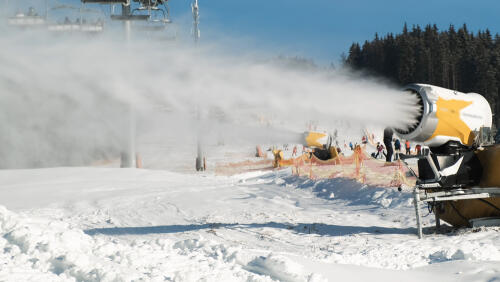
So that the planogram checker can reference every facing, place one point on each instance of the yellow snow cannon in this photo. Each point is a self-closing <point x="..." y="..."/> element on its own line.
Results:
<point x="460" y="175"/>
<point x="314" y="139"/>
<point x="446" y="116"/>
<point x="321" y="143"/>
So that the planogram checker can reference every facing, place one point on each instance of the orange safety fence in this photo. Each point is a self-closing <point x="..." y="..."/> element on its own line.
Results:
<point x="243" y="166"/>
<point x="358" y="166"/>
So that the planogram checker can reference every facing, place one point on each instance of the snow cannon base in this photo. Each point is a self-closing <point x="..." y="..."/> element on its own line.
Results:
<point x="460" y="204"/>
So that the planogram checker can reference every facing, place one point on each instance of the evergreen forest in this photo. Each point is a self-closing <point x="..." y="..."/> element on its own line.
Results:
<point x="454" y="59"/>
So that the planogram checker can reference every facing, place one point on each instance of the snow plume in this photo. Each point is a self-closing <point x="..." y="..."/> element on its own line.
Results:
<point x="69" y="100"/>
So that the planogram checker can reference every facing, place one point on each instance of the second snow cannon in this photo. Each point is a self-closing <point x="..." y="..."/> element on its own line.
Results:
<point x="315" y="139"/>
<point x="321" y="144"/>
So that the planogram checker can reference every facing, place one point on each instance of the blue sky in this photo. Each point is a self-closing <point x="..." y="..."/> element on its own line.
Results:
<point x="323" y="29"/>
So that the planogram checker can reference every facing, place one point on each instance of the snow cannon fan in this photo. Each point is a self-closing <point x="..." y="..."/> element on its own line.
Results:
<point x="449" y="124"/>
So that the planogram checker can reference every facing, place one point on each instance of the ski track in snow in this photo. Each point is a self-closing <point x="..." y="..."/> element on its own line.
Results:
<point x="106" y="224"/>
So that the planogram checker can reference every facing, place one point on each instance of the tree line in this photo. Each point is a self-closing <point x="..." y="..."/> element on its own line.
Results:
<point x="454" y="59"/>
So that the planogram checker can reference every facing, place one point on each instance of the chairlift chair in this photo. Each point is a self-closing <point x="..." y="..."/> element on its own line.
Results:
<point x="151" y="15"/>
<point x="80" y="24"/>
<point x="109" y="2"/>
<point x="30" y="19"/>
<point x="147" y="11"/>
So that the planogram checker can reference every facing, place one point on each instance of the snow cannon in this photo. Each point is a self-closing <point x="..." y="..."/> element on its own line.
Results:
<point x="459" y="176"/>
<point x="321" y="144"/>
<point x="446" y="116"/>
<point x="314" y="139"/>
<point x="450" y="124"/>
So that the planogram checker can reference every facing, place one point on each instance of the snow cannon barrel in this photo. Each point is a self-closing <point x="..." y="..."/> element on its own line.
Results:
<point x="446" y="115"/>
<point x="315" y="139"/>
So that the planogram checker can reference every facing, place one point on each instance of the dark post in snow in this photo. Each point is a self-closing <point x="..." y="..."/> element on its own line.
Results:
<point x="129" y="156"/>
<point x="200" y="158"/>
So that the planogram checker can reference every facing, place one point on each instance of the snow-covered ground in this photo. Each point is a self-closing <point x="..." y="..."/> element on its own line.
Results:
<point x="109" y="224"/>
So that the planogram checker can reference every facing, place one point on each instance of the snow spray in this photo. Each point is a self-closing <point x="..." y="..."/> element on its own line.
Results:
<point x="64" y="101"/>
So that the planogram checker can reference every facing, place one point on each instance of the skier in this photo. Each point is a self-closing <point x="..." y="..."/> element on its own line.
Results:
<point x="408" y="147"/>
<point x="388" y="144"/>
<point x="418" y="149"/>
<point x="397" y="148"/>
<point x="380" y="149"/>
<point x="294" y="152"/>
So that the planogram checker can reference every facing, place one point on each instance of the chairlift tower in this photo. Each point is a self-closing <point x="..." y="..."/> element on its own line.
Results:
<point x="200" y="158"/>
<point x="128" y="15"/>
<point x="196" y="20"/>
<point x="147" y="11"/>
<point x="128" y="156"/>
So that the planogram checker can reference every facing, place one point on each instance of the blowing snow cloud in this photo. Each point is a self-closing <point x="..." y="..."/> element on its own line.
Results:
<point x="68" y="101"/>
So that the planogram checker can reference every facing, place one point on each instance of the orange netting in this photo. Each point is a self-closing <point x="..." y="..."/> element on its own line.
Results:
<point x="244" y="166"/>
<point x="358" y="166"/>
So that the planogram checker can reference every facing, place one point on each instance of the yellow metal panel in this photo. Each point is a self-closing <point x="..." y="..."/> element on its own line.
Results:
<point x="458" y="213"/>
<point x="449" y="121"/>
<point x="490" y="160"/>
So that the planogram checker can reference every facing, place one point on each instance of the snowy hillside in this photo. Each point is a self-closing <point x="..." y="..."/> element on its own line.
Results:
<point x="107" y="224"/>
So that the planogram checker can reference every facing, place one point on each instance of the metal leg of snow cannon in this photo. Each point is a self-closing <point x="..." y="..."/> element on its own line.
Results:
<point x="416" y="199"/>
<point x="437" y="207"/>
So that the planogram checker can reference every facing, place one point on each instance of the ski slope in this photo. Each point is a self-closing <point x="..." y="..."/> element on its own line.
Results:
<point x="110" y="224"/>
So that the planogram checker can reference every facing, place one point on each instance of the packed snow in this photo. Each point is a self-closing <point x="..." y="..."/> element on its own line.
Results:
<point x="111" y="224"/>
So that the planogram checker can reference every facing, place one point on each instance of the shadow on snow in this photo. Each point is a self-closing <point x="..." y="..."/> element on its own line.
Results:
<point x="314" y="228"/>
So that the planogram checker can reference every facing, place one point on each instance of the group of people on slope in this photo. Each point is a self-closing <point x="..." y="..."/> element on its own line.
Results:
<point x="388" y="142"/>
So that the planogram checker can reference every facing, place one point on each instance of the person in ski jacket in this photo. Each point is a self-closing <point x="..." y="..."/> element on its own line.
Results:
<point x="380" y="149"/>
<point x="397" y="149"/>
<point x="418" y="149"/>
<point x="351" y="146"/>
<point x="408" y="147"/>
<point x="388" y="144"/>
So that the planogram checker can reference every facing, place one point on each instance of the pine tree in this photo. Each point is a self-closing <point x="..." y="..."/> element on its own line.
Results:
<point x="455" y="59"/>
